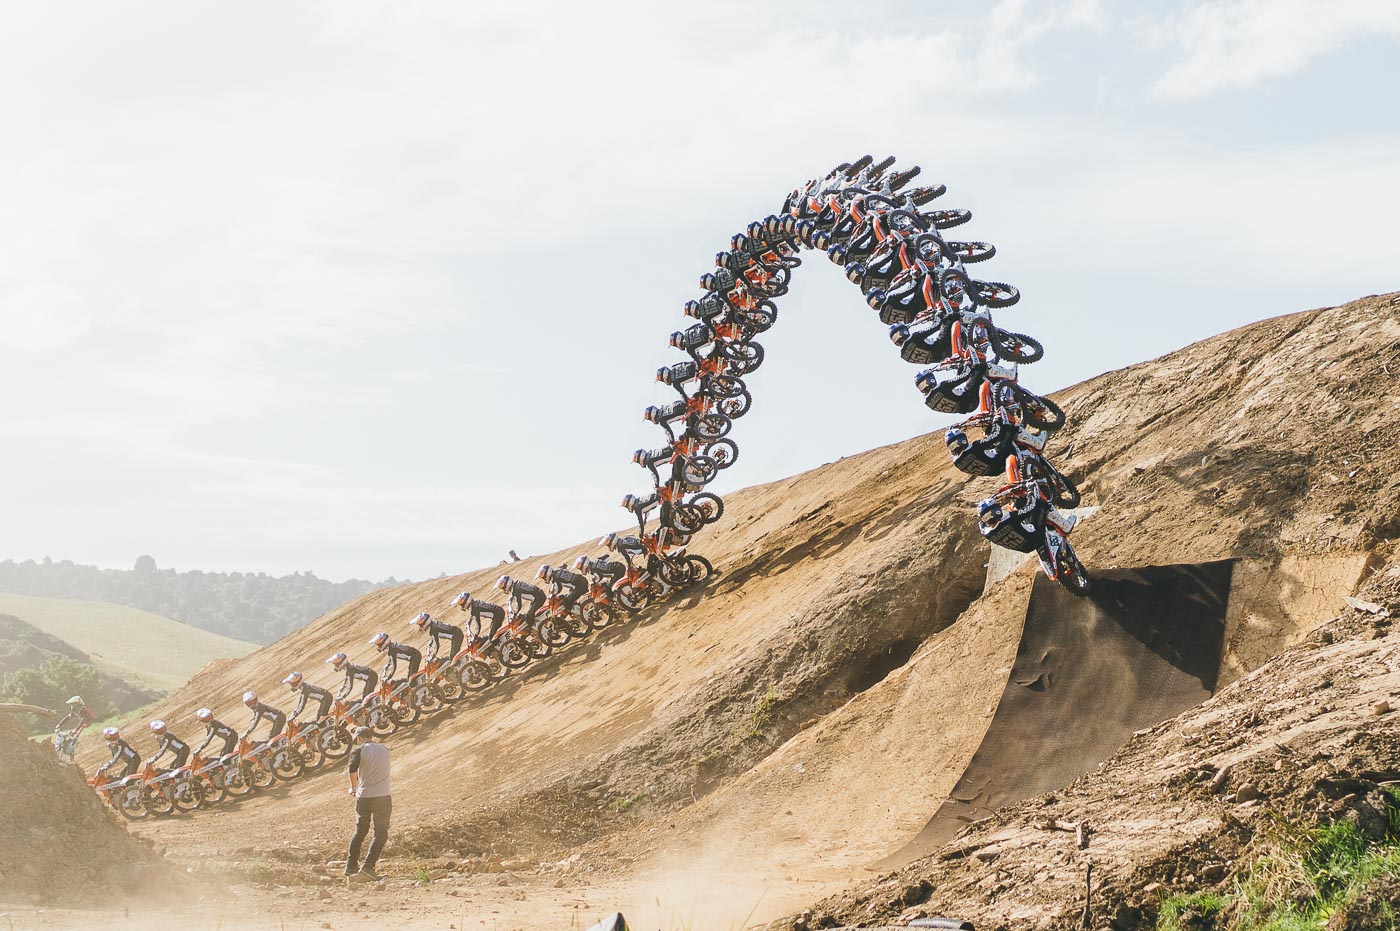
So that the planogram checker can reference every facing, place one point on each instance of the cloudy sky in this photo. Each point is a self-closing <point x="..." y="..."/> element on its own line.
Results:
<point x="379" y="288"/>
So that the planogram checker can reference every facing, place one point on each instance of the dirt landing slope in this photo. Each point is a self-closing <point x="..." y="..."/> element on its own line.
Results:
<point x="1183" y="806"/>
<point x="1089" y="672"/>
<point x="58" y="843"/>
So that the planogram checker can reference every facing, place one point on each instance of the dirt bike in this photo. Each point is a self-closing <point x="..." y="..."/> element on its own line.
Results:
<point x="689" y="516"/>
<point x="442" y="672"/>
<point x="479" y="663"/>
<point x="206" y="781"/>
<point x="367" y="712"/>
<point x="333" y="732"/>
<point x="395" y="697"/>
<point x="126" y="794"/>
<point x="64" y="745"/>
<point x="1027" y="529"/>
<point x="569" y="619"/>
<point x="637" y="589"/>
<point x="707" y="427"/>
<point x="301" y="739"/>
<point x="519" y="643"/>
<point x="961" y="393"/>
<point x="274" y="756"/>
<point x="597" y="608"/>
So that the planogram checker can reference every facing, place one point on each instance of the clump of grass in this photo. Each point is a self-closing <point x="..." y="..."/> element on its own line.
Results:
<point x="762" y="714"/>
<point x="1302" y="877"/>
<point x="622" y="804"/>
<point x="422" y="876"/>
<point x="257" y="871"/>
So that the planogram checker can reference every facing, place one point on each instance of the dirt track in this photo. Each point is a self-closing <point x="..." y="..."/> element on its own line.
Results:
<point x="762" y="745"/>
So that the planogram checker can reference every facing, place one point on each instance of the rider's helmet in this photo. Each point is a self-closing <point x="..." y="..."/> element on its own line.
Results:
<point x="855" y="271"/>
<point x="989" y="513"/>
<point x="875" y="297"/>
<point x="629" y="501"/>
<point x="250" y="698"/>
<point x="707" y="281"/>
<point x="581" y="562"/>
<point x="690" y="309"/>
<point x="503" y="583"/>
<point x="337" y="661"/>
<point x="75" y="700"/>
<point x="837" y="253"/>
<point x="675" y="340"/>
<point x="380" y="641"/>
<point x="293" y="680"/>
<point x="546" y="573"/>
<point x="957" y="443"/>
<point x="111" y="733"/>
<point x="157" y="726"/>
<point x="899" y="334"/>
<point x="651" y="413"/>
<point x="610" y="541"/>
<point x="421" y="621"/>
<point x="205" y="715"/>
<point x="463" y="601"/>
<point x="639" y="456"/>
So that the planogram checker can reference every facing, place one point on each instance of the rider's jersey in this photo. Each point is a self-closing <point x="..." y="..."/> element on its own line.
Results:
<point x="398" y="651"/>
<point x="605" y="568"/>
<point x="354" y="672"/>
<point x="566" y="579"/>
<point x="313" y="693"/>
<point x="218" y="730"/>
<point x="265" y="712"/>
<point x="489" y="611"/>
<point x="177" y="748"/>
<point x="123" y="756"/>
<point x="630" y="547"/>
<point x="520" y="592"/>
<point x="77" y="719"/>
<point x="440" y="631"/>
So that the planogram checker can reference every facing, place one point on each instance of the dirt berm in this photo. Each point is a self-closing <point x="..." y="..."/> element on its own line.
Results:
<point x="734" y="756"/>
<point x="58" y="842"/>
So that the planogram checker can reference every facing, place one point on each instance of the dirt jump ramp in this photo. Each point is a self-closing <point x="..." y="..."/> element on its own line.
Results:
<point x="1088" y="673"/>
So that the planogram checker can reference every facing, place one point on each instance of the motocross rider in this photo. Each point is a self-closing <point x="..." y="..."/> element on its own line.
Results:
<point x="77" y="719"/>
<point x="478" y="609"/>
<point x="354" y="672"/>
<point x="214" y="729"/>
<point x="262" y="712"/>
<point x="123" y="758"/>
<point x="307" y="693"/>
<point x="396" y="651"/>
<point x="438" y="631"/>
<point x="179" y="750"/>
<point x="566" y="585"/>
<point x="521" y="592"/>
<point x="605" y="570"/>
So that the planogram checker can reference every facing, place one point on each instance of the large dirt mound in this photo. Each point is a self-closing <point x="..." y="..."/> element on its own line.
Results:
<point x="58" y="843"/>
<point x="813" y="709"/>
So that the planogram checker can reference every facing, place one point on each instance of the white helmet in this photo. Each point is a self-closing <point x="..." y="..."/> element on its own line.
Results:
<point x="294" y="680"/>
<point x="157" y="726"/>
<point x="380" y="641"/>
<point x="463" y="601"/>
<point x="250" y="698"/>
<point x="337" y="661"/>
<point x="205" y="715"/>
<point x="111" y="733"/>
<point x="421" y="621"/>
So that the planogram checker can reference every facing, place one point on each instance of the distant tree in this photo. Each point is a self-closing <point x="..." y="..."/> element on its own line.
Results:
<point x="51" y="684"/>
<point x="146" y="565"/>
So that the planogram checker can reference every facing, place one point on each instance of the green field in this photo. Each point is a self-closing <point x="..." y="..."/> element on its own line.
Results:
<point x="127" y="642"/>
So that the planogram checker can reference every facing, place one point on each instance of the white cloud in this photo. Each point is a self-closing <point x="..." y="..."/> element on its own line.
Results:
<point x="1238" y="43"/>
<point x="42" y="316"/>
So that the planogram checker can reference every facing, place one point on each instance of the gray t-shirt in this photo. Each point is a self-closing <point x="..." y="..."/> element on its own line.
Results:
<point x="371" y="761"/>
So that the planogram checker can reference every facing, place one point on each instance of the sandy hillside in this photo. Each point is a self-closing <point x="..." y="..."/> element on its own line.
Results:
<point x="737" y="755"/>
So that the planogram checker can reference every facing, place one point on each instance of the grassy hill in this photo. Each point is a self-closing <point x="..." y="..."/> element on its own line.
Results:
<point x="129" y="643"/>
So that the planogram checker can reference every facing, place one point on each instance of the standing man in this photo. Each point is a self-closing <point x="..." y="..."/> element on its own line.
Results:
<point x="369" y="783"/>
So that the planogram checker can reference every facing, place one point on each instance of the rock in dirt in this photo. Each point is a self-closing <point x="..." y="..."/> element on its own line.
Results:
<point x="1247" y="792"/>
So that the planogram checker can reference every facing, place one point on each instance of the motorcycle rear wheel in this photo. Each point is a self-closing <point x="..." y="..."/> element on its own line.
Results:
<point x="334" y="742"/>
<point x="131" y="803"/>
<point x="514" y="654"/>
<point x="189" y="795"/>
<point x="633" y="599"/>
<point x="553" y="634"/>
<point x="450" y="683"/>
<point x="403" y="712"/>
<point x="598" y="615"/>
<point x="238" y="780"/>
<point x="476" y="676"/>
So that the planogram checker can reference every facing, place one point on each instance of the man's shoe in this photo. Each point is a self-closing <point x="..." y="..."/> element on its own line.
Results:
<point x="367" y="875"/>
